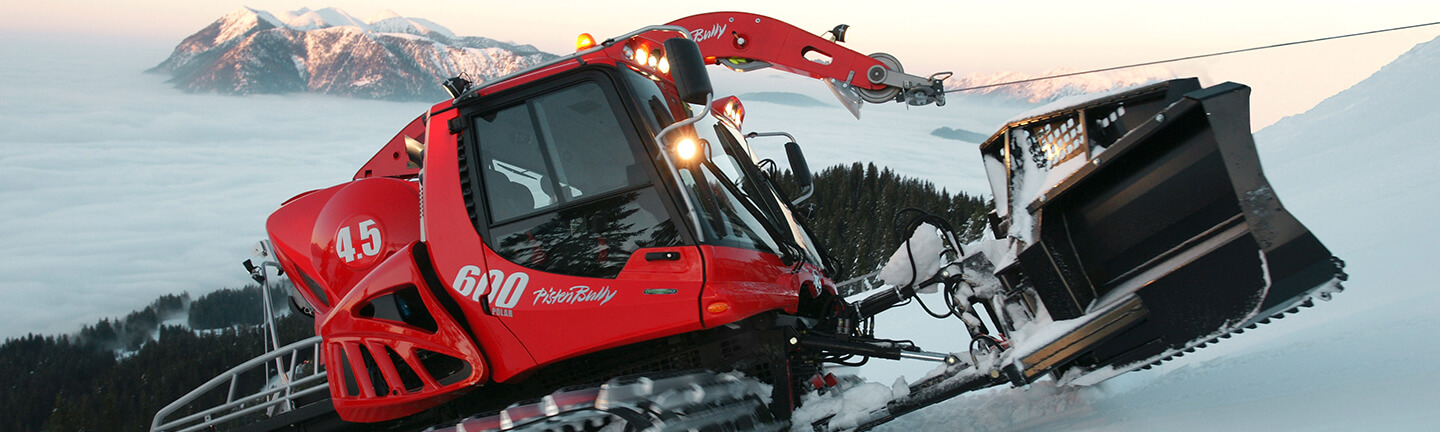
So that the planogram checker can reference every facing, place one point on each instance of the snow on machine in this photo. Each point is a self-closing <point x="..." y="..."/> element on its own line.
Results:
<point x="592" y="242"/>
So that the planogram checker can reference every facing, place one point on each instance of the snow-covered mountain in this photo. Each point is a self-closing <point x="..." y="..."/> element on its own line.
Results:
<point x="331" y="52"/>
<point x="1050" y="90"/>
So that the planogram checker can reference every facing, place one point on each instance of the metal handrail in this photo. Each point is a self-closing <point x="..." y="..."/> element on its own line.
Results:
<point x="267" y="397"/>
<point x="264" y="399"/>
<point x="279" y="390"/>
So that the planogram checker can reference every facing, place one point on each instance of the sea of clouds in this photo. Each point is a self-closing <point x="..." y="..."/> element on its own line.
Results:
<point x="117" y="188"/>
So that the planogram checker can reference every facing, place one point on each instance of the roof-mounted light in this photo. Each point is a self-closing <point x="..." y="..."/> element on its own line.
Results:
<point x="584" y="41"/>
<point x="729" y="109"/>
<point x="647" y="56"/>
<point x="642" y="55"/>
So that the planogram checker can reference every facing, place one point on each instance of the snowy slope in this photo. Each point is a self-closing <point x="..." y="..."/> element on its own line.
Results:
<point x="1357" y="170"/>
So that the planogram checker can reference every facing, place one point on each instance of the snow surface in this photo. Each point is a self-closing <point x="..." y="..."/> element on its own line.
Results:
<point x="848" y="406"/>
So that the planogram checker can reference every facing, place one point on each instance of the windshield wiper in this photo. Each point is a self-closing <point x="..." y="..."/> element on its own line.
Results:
<point x="743" y="162"/>
<point x="790" y="252"/>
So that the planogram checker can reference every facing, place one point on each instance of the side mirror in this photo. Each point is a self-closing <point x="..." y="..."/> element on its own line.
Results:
<point x="801" y="170"/>
<point x="687" y="67"/>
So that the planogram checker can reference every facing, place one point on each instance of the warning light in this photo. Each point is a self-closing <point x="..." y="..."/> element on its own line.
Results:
<point x="730" y="109"/>
<point x="584" y="41"/>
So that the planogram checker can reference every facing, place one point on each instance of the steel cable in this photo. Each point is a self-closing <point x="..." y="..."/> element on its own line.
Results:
<point x="1050" y="77"/>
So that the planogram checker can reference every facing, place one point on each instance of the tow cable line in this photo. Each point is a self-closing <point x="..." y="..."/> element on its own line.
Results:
<point x="1049" y="77"/>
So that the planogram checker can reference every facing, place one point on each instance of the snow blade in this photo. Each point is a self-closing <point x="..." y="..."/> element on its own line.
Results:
<point x="1152" y="229"/>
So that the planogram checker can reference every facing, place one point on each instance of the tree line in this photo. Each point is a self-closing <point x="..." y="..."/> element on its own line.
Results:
<point x="856" y="211"/>
<point x="115" y="374"/>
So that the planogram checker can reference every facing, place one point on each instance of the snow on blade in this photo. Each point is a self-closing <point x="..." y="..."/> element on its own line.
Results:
<point x="923" y="251"/>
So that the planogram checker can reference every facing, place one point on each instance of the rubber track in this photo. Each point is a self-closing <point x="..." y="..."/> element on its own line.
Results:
<point x="680" y="401"/>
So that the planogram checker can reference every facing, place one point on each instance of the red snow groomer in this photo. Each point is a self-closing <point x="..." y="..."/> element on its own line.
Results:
<point x="592" y="241"/>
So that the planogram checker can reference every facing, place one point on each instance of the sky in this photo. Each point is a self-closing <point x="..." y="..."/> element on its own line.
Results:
<point x="961" y="36"/>
<point x="116" y="188"/>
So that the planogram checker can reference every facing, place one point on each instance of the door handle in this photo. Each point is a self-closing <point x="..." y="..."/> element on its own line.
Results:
<point x="662" y="256"/>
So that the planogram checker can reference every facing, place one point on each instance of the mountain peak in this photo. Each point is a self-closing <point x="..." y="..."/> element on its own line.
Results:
<point x="240" y="22"/>
<point x="383" y="15"/>
<point x="388" y="21"/>
<point x="330" y="51"/>
<point x="306" y="19"/>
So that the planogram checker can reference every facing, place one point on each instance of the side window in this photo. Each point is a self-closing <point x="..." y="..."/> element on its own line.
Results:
<point x="563" y="187"/>
<point x="513" y="168"/>
<point x="652" y="101"/>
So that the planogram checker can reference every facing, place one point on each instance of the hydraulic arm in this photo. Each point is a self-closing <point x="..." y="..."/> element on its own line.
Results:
<point x="746" y="42"/>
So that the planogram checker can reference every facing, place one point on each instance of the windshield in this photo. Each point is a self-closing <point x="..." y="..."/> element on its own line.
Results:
<point x="738" y="206"/>
<point x="731" y="208"/>
<point x="738" y="150"/>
